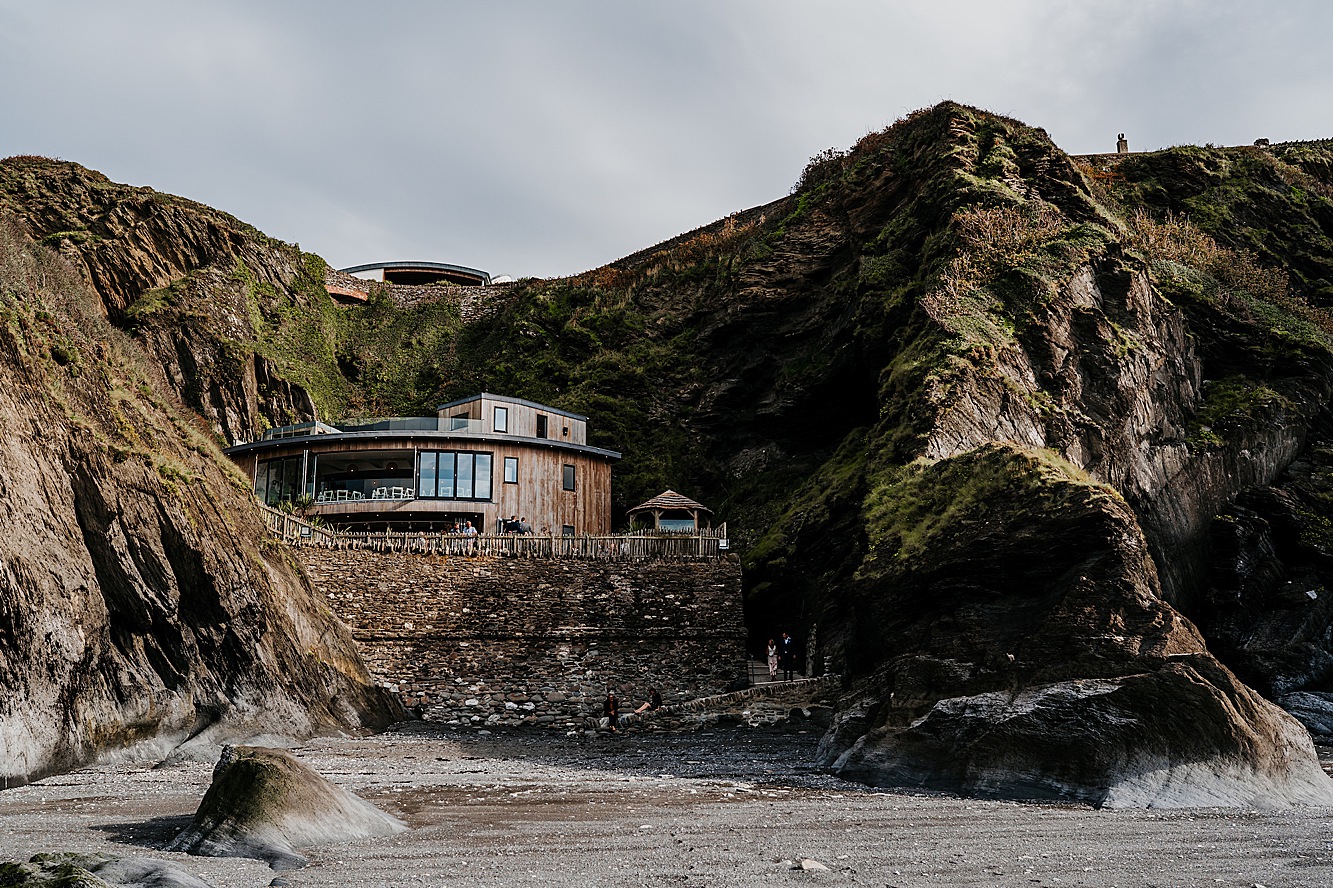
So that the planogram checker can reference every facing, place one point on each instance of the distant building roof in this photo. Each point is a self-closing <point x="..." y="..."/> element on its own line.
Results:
<point x="420" y="272"/>
<point x="669" y="500"/>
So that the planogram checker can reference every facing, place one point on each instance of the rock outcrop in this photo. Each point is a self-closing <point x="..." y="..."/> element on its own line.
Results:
<point x="1020" y="647"/>
<point x="68" y="869"/>
<point x="264" y="803"/>
<point x="142" y="604"/>
<point x="195" y="283"/>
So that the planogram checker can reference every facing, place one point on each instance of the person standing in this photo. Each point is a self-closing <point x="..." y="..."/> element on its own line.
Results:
<point x="772" y="660"/>
<point x="787" y="654"/>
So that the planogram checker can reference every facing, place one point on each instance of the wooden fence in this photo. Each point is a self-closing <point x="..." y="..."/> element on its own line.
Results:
<point x="701" y="545"/>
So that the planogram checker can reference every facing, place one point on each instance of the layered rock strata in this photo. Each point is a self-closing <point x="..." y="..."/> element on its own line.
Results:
<point x="142" y="605"/>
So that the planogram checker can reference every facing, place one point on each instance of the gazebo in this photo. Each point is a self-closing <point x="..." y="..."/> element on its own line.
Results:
<point x="672" y="511"/>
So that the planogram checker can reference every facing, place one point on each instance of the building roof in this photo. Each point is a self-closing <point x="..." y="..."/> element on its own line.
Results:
<point x="420" y="265"/>
<point x="669" y="500"/>
<point x="310" y="437"/>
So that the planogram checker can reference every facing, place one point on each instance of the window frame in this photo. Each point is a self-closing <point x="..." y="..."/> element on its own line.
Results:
<point x="449" y="461"/>
<point x="508" y="462"/>
<point x="569" y="477"/>
<point x="500" y="419"/>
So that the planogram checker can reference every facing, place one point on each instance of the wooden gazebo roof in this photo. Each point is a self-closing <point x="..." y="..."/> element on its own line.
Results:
<point x="668" y="501"/>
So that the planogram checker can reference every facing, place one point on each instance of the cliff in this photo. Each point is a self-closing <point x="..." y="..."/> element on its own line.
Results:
<point x="142" y="606"/>
<point x="1021" y="443"/>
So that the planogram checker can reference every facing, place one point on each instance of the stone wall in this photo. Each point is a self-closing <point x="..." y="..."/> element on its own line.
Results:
<point x="507" y="641"/>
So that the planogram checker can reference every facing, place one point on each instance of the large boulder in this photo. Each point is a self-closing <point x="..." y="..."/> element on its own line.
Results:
<point x="264" y="803"/>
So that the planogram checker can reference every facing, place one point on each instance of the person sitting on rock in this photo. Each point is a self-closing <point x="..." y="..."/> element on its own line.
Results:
<point x="652" y="704"/>
<point x="611" y="712"/>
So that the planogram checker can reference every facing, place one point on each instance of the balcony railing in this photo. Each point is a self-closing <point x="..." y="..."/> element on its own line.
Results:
<point x="703" y="545"/>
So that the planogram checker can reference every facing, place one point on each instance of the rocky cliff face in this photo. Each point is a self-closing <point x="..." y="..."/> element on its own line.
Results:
<point x="142" y="606"/>
<point x="195" y="283"/>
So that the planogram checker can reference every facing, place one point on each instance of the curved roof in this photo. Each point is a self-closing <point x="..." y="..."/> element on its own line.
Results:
<point x="405" y="437"/>
<point x="670" y="500"/>
<point x="408" y="265"/>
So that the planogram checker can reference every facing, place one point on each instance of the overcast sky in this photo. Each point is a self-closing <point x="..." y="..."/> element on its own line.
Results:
<point x="547" y="138"/>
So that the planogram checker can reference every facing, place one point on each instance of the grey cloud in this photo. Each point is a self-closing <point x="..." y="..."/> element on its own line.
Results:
<point x="547" y="138"/>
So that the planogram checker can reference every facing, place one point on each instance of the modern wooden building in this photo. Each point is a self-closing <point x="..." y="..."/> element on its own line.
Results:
<point x="481" y="459"/>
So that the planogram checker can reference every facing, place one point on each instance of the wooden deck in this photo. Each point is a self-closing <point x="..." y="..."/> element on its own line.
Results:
<point x="702" y="545"/>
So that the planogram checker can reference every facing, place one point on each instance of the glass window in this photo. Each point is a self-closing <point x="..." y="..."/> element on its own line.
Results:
<point x="445" y="472"/>
<point x="541" y="426"/>
<point x="502" y="419"/>
<point x="281" y="480"/>
<point x="482" y="487"/>
<point x="261" y="482"/>
<point x="511" y="469"/>
<point x="448" y="474"/>
<point x="567" y="530"/>
<point x="463" y="488"/>
<point x="569" y="478"/>
<point x="426" y="485"/>
<point x="458" y="422"/>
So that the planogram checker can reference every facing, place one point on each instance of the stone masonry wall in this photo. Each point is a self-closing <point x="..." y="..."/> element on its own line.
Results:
<point x="508" y="641"/>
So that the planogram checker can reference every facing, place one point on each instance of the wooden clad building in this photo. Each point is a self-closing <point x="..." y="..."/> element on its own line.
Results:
<point x="481" y="460"/>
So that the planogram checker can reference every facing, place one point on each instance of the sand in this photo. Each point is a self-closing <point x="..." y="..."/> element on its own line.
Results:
<point x="734" y="807"/>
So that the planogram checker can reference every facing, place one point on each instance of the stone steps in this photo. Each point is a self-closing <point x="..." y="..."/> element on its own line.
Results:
<point x="764" y="704"/>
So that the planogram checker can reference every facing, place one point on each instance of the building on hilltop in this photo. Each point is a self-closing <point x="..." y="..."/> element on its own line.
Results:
<point x="481" y="459"/>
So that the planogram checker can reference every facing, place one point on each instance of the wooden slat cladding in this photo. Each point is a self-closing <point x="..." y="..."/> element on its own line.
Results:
<point x="521" y="418"/>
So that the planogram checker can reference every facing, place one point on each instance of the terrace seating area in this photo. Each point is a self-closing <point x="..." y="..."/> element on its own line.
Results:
<point x="379" y="493"/>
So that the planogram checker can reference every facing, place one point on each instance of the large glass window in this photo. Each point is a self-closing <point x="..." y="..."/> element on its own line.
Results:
<point x="481" y="482"/>
<point x="426" y="483"/>
<point x="278" y="480"/>
<point x="502" y="419"/>
<point x="446" y="474"/>
<point x="463" y="486"/>
<point x="511" y="469"/>
<point x="569" y="477"/>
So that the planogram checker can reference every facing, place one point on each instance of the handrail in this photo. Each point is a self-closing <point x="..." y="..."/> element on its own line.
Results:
<point x="703" y="545"/>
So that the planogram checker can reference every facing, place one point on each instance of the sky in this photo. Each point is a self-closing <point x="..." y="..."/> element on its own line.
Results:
<point x="547" y="137"/>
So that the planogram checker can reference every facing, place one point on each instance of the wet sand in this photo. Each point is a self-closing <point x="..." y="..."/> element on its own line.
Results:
<point x="734" y="807"/>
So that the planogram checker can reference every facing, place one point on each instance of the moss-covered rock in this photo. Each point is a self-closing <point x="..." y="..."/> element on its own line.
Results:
<point x="264" y="803"/>
<point x="71" y="870"/>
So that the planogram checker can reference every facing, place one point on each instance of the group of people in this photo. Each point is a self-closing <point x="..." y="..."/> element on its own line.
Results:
<point x="515" y="524"/>
<point x="611" y="708"/>
<point x="781" y="653"/>
<point x="464" y="528"/>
